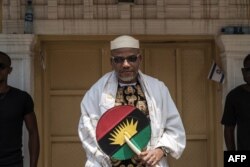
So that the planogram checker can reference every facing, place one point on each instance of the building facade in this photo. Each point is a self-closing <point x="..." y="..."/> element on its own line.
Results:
<point x="69" y="50"/>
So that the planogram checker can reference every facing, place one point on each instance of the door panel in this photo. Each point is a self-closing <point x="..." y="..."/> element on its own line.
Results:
<point x="71" y="62"/>
<point x="194" y="90"/>
<point x="160" y="62"/>
<point x="194" y="155"/>
<point x="73" y="66"/>
<point x="67" y="154"/>
<point x="64" y="118"/>
<point x="183" y="68"/>
<point x="194" y="102"/>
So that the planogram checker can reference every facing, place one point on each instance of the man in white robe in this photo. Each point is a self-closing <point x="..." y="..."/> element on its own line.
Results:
<point x="167" y="131"/>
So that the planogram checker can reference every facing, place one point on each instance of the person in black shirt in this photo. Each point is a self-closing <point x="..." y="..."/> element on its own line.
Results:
<point x="16" y="107"/>
<point x="237" y="112"/>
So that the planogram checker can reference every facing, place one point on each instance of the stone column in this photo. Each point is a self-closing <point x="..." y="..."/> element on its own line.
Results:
<point x="19" y="48"/>
<point x="234" y="48"/>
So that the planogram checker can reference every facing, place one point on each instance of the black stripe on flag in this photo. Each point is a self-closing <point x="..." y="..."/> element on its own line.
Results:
<point x="212" y="71"/>
<point x="216" y="74"/>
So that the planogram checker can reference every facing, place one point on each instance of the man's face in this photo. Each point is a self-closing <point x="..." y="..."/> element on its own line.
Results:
<point x="5" y="69"/>
<point x="246" y="72"/>
<point x="126" y="63"/>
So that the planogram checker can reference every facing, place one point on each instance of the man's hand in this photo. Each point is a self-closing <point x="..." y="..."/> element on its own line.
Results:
<point x="151" y="157"/>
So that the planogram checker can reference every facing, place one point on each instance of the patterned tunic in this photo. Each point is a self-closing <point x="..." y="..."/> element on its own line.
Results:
<point x="130" y="94"/>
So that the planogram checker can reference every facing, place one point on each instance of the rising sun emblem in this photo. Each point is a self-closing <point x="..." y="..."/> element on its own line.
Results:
<point x="124" y="128"/>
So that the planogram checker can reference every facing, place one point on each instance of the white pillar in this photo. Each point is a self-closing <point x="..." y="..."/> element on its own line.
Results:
<point x="233" y="51"/>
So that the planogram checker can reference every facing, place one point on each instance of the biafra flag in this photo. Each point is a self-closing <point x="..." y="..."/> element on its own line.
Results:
<point x="114" y="123"/>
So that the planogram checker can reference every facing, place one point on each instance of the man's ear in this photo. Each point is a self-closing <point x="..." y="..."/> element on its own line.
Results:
<point x="140" y="57"/>
<point x="10" y="70"/>
<point x="111" y="62"/>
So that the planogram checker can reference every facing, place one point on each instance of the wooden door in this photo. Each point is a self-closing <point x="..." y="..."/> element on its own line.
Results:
<point x="69" y="71"/>
<point x="184" y="68"/>
<point x="71" y="67"/>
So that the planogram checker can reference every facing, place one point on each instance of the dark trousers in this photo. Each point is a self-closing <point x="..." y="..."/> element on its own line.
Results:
<point x="20" y="164"/>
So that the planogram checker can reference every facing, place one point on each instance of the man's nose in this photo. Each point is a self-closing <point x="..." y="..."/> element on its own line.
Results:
<point x="125" y="63"/>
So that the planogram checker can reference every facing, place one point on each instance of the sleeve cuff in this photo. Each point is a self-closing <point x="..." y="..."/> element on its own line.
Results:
<point x="165" y="150"/>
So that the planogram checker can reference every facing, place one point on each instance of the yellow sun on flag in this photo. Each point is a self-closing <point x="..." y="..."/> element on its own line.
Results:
<point x="125" y="128"/>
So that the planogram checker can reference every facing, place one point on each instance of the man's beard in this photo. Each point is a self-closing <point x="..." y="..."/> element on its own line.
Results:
<point x="127" y="79"/>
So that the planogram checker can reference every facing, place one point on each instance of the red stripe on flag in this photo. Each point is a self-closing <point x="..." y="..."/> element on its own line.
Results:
<point x="111" y="118"/>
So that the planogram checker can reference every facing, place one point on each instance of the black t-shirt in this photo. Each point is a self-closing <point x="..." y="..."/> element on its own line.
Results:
<point x="14" y="105"/>
<point x="237" y="112"/>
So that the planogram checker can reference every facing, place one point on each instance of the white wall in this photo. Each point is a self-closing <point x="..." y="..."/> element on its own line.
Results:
<point x="189" y="17"/>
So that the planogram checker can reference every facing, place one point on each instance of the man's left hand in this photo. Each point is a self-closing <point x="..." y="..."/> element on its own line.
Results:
<point x="151" y="157"/>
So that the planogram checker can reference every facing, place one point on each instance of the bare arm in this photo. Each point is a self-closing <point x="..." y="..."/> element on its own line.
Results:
<point x="34" y="145"/>
<point x="229" y="137"/>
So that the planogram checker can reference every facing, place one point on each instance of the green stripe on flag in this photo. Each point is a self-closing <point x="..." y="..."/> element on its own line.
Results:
<point x="140" y="140"/>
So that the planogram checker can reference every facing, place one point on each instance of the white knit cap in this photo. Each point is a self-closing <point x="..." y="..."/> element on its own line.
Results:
<point x="124" y="41"/>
